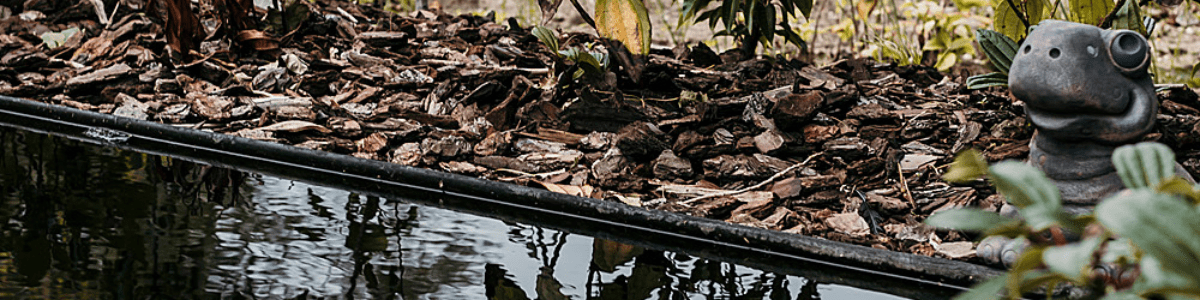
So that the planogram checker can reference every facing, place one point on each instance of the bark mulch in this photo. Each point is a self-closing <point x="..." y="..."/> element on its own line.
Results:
<point x="852" y="151"/>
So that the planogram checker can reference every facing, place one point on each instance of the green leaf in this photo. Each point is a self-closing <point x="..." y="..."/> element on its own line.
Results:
<point x="968" y="165"/>
<point x="1119" y="251"/>
<point x="1129" y="17"/>
<point x="689" y="10"/>
<point x="1036" y="10"/>
<point x="946" y="60"/>
<point x="1144" y="164"/>
<point x="1090" y="12"/>
<point x="1035" y="195"/>
<point x="625" y="21"/>
<point x="805" y="6"/>
<point x="1073" y="260"/>
<point x="999" y="48"/>
<point x="986" y="290"/>
<point x="1158" y="277"/>
<point x="587" y="62"/>
<point x="1164" y="227"/>
<point x="791" y="37"/>
<point x="547" y="37"/>
<point x="968" y="220"/>
<point x="1179" y="187"/>
<point x="1028" y="262"/>
<point x="987" y="80"/>
<point x="1007" y="22"/>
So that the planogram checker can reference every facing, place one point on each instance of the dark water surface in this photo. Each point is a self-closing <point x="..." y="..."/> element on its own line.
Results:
<point x="89" y="222"/>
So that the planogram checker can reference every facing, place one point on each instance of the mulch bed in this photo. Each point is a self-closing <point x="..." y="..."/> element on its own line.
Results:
<point x="851" y="152"/>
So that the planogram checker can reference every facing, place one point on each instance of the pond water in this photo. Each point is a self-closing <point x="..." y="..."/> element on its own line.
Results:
<point x="90" y="222"/>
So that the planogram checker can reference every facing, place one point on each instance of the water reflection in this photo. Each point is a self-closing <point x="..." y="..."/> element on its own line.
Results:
<point x="88" y="222"/>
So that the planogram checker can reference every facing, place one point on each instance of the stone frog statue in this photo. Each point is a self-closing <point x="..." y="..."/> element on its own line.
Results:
<point x="1086" y="91"/>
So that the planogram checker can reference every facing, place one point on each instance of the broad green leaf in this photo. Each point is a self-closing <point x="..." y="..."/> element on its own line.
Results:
<point x="1162" y="226"/>
<point x="791" y="37"/>
<point x="1035" y="195"/>
<point x="987" y="290"/>
<point x="999" y="49"/>
<point x="968" y="165"/>
<point x="587" y="62"/>
<point x="987" y="80"/>
<point x="805" y="6"/>
<point x="946" y="60"/>
<point x="1028" y="262"/>
<point x="1090" y="11"/>
<point x="968" y="219"/>
<point x="625" y="21"/>
<point x="1073" y="260"/>
<point x="547" y="37"/>
<point x="1037" y="10"/>
<point x="1144" y="164"/>
<point x="1007" y="22"/>
<point x="1129" y="17"/>
<point x="1009" y="230"/>
<point x="1159" y="277"/>
<point x="1119" y="251"/>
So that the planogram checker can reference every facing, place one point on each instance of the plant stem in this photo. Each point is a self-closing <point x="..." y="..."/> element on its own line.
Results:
<point x="583" y="13"/>
<point x="1107" y="21"/>
<point x="1019" y="13"/>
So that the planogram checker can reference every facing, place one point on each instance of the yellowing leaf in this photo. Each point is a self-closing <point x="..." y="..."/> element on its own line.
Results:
<point x="968" y="165"/>
<point x="1090" y="11"/>
<point x="1007" y="21"/>
<point x="625" y="21"/>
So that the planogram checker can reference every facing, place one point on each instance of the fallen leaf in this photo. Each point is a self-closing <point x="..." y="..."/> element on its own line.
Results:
<point x="295" y="126"/>
<point x="573" y="190"/>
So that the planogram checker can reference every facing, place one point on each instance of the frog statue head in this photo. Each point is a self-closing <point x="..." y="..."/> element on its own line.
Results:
<point x="1087" y="91"/>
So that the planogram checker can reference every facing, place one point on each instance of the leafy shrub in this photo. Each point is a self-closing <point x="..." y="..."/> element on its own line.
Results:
<point x="751" y="22"/>
<point x="1151" y="230"/>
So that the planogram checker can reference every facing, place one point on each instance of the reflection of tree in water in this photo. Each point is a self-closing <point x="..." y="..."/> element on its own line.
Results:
<point x="368" y="239"/>
<point x="86" y="220"/>
<point x="658" y="275"/>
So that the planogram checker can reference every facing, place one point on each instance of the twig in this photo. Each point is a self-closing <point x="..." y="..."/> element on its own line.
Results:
<point x="583" y="13"/>
<point x="756" y="186"/>
<point x="904" y="187"/>
<point x="1019" y="14"/>
<point x="1108" y="19"/>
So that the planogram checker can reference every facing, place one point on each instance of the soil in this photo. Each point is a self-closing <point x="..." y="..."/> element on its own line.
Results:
<point x="851" y="151"/>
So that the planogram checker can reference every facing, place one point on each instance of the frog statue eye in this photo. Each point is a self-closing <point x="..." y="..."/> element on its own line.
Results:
<point x="1128" y="50"/>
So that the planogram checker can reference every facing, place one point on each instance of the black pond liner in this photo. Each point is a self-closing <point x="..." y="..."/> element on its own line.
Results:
<point x="902" y="274"/>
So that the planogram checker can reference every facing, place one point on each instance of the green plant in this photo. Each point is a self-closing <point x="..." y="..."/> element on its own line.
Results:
<point x="750" y="22"/>
<point x="1152" y="230"/>
<point x="915" y="29"/>
<point x="1000" y="50"/>
<point x="590" y="64"/>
